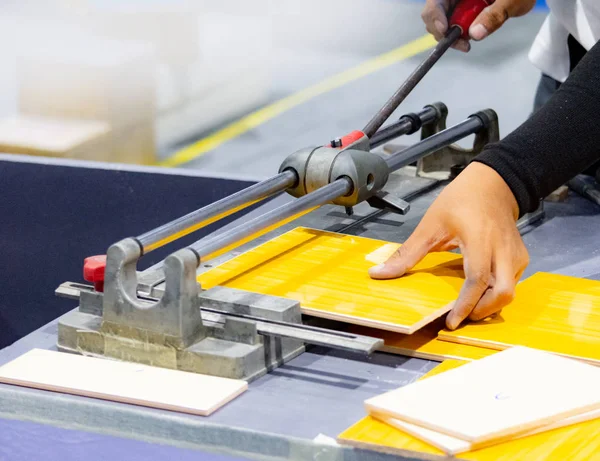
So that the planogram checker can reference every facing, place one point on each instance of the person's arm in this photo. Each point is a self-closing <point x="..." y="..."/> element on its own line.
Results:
<point x="435" y="15"/>
<point x="559" y="141"/>
<point x="477" y="211"/>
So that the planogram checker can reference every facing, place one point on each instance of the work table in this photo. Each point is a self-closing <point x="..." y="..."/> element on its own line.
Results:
<point x="319" y="392"/>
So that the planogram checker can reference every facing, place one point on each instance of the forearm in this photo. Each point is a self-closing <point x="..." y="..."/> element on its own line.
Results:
<point x="559" y="141"/>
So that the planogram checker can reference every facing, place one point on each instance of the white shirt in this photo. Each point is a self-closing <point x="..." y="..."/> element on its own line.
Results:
<point x="579" y="18"/>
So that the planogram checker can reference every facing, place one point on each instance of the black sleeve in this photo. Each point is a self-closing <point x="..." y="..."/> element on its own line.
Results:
<point x="559" y="141"/>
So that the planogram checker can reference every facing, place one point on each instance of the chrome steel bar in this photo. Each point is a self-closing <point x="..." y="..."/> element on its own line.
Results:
<point x="197" y="219"/>
<point x="335" y="189"/>
<point x="193" y="221"/>
<point x="435" y="142"/>
<point x="319" y="197"/>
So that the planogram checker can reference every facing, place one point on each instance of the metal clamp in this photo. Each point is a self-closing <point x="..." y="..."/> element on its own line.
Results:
<point x="439" y="164"/>
<point x="319" y="166"/>
<point x="176" y="315"/>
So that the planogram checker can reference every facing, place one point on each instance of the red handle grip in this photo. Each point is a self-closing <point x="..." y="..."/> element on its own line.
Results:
<point x="465" y="13"/>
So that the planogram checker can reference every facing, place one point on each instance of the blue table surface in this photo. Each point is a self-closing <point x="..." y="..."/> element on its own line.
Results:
<point x="26" y="441"/>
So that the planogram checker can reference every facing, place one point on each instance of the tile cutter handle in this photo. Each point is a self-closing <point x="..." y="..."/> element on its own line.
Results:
<point x="462" y="17"/>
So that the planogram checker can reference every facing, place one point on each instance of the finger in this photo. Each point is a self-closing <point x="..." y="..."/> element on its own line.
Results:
<point x="444" y="245"/>
<point x="492" y="17"/>
<point x="489" y="21"/>
<point x="407" y="256"/>
<point x="508" y="271"/>
<point x="477" y="264"/>
<point x="462" y="45"/>
<point x="520" y="274"/>
<point x="434" y="17"/>
<point x="500" y="295"/>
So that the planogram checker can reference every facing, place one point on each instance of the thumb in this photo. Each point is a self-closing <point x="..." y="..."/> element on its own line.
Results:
<point x="403" y="259"/>
<point x="489" y="20"/>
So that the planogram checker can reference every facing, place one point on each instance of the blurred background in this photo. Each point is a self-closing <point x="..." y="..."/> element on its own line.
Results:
<point x="232" y="86"/>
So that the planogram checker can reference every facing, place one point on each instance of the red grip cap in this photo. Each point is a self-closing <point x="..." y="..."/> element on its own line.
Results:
<point x="345" y="141"/>
<point x="465" y="13"/>
<point x="93" y="271"/>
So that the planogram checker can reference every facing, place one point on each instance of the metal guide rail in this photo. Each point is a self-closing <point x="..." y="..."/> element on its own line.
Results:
<point x="281" y="182"/>
<point x="293" y="178"/>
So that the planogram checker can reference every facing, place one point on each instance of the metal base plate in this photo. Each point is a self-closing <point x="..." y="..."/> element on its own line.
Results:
<point x="82" y="333"/>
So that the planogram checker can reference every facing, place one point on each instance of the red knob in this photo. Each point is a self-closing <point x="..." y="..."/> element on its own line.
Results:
<point x="345" y="141"/>
<point x="93" y="271"/>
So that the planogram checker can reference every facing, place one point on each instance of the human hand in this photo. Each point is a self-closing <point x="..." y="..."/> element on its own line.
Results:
<point x="477" y="213"/>
<point x="436" y="12"/>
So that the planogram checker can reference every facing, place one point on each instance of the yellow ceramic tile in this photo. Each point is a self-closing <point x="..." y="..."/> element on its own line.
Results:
<point x="256" y="235"/>
<point x="574" y="443"/>
<point x="579" y="442"/>
<point x="423" y="344"/>
<point x="371" y="434"/>
<point x="550" y="312"/>
<point x="328" y="274"/>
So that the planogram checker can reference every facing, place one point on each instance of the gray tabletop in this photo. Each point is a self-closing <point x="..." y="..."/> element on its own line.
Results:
<point x="24" y="441"/>
<point x="321" y="391"/>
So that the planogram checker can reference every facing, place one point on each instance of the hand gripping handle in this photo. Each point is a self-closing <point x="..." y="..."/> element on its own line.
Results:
<point x="465" y="13"/>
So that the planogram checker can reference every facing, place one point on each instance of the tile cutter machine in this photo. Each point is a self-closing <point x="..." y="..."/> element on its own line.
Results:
<point x="163" y="317"/>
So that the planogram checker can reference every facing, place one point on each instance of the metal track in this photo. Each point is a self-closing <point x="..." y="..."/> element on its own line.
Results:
<point x="305" y="333"/>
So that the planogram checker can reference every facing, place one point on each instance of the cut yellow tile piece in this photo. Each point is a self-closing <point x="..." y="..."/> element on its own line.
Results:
<point x="423" y="344"/>
<point x="574" y="443"/>
<point x="453" y="446"/>
<point x="328" y="274"/>
<point x="550" y="312"/>
<point x="372" y="434"/>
